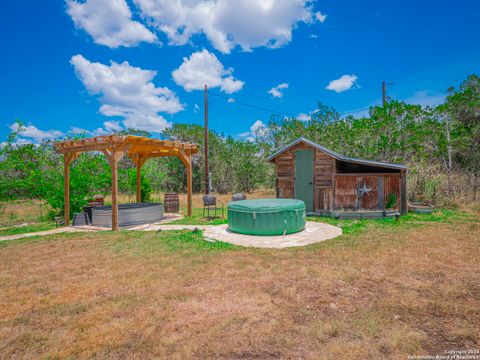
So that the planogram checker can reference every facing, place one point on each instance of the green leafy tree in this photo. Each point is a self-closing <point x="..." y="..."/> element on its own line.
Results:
<point x="440" y="145"/>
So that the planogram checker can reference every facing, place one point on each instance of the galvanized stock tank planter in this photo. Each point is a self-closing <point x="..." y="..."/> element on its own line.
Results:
<point x="128" y="214"/>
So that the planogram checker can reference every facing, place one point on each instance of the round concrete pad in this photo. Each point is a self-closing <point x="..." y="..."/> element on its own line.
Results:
<point x="314" y="232"/>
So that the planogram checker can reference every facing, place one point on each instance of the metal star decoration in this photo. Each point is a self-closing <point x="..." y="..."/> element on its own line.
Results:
<point x="363" y="190"/>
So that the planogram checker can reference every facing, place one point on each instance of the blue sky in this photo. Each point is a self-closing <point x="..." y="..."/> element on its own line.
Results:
<point x="99" y="65"/>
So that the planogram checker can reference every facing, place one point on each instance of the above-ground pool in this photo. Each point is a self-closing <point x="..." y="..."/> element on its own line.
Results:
<point x="266" y="216"/>
<point x="128" y="214"/>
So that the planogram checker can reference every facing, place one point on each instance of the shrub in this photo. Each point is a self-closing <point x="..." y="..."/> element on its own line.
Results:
<point x="392" y="201"/>
<point x="145" y="187"/>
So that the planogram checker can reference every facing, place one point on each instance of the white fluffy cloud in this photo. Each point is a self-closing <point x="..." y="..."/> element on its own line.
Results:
<point x="344" y="83"/>
<point x="128" y="92"/>
<point x="74" y="130"/>
<point x="32" y="134"/>
<point x="304" y="117"/>
<point x="106" y="130"/>
<point x="229" y="23"/>
<point x="109" y="22"/>
<point x="202" y="68"/>
<point x="112" y="125"/>
<point x="258" y="128"/>
<point x="277" y="90"/>
<point x="320" y="17"/>
<point x="425" y="98"/>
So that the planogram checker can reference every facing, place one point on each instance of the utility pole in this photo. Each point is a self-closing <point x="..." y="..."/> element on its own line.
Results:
<point x="384" y="92"/>
<point x="205" y="114"/>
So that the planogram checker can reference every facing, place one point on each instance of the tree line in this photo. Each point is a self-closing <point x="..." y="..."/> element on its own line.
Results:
<point x="440" y="145"/>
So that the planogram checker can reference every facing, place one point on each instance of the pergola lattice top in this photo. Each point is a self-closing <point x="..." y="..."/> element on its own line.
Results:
<point x="132" y="144"/>
<point x="138" y="148"/>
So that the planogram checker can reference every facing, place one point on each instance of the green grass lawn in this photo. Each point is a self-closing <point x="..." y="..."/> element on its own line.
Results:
<point x="404" y="222"/>
<point x="15" y="230"/>
<point x="184" y="242"/>
<point x="198" y="219"/>
<point x="355" y="225"/>
<point x="348" y="226"/>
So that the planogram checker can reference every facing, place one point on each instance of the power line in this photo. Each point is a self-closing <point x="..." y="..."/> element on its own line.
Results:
<point x="255" y="106"/>
<point x="275" y="111"/>
<point x="346" y="113"/>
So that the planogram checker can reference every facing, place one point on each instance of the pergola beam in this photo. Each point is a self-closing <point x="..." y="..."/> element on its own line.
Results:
<point x="100" y="143"/>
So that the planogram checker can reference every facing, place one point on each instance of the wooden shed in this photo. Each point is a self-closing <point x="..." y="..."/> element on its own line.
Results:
<point x="327" y="181"/>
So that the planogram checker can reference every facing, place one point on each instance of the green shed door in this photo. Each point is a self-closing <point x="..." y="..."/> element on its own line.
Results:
<point x="304" y="177"/>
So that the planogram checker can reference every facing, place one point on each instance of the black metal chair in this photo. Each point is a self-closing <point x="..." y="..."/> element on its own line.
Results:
<point x="210" y="204"/>
<point x="239" y="197"/>
<point x="59" y="221"/>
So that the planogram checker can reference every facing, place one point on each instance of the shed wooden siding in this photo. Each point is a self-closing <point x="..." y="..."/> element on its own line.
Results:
<point x="370" y="200"/>
<point x="346" y="188"/>
<point x="323" y="175"/>
<point x="391" y="186"/>
<point x="324" y="171"/>
<point x="286" y="172"/>
<point x="285" y="169"/>
<point x="324" y="198"/>
<point x="345" y="192"/>
<point x="324" y="167"/>
<point x="335" y="187"/>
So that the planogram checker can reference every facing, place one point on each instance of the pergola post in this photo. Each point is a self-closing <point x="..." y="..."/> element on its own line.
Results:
<point x="139" y="161"/>
<point x="113" y="165"/>
<point x="114" y="156"/>
<point x="187" y="161"/>
<point x="66" y="189"/>
<point x="189" y="187"/>
<point x="139" y="180"/>
<point x="67" y="160"/>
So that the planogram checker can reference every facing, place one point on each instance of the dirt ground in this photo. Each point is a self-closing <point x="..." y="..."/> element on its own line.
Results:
<point x="379" y="293"/>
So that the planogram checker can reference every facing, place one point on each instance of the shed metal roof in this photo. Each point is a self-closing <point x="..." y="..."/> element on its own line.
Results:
<point x="337" y="155"/>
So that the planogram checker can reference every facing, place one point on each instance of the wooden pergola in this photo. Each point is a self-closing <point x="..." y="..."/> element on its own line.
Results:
<point x="115" y="147"/>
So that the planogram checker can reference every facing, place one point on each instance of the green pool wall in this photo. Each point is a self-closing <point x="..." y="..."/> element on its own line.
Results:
<point x="266" y="217"/>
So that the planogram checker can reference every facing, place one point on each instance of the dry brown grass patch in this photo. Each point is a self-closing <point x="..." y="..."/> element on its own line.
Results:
<point x="22" y="211"/>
